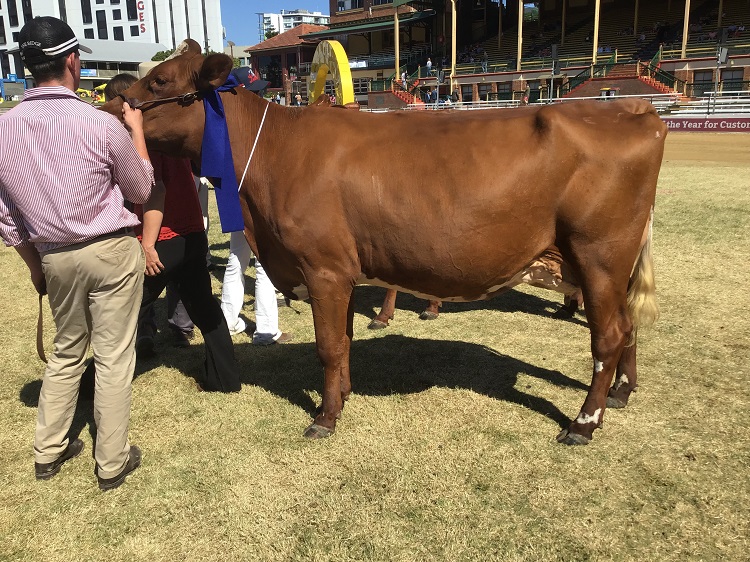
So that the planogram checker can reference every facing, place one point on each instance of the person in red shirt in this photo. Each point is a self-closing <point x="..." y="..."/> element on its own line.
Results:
<point x="176" y="253"/>
<point x="175" y="244"/>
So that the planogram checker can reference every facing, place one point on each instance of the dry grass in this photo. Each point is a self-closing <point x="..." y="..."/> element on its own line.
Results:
<point x="445" y="450"/>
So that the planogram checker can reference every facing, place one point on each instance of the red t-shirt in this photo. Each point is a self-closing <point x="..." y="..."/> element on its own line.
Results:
<point x="182" y="209"/>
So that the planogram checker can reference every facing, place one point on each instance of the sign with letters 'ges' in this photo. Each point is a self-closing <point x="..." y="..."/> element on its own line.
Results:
<point x="141" y="7"/>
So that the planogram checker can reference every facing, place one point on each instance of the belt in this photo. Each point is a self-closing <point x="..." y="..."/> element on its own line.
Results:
<point x="126" y="230"/>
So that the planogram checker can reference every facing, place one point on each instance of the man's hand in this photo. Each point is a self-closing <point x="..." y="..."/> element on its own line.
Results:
<point x="153" y="264"/>
<point x="39" y="281"/>
<point x="30" y="255"/>
<point x="133" y="117"/>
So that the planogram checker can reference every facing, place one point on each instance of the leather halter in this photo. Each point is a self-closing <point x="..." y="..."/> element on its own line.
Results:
<point x="184" y="99"/>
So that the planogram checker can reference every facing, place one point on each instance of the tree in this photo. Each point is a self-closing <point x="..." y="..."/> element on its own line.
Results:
<point x="162" y="55"/>
<point x="271" y="33"/>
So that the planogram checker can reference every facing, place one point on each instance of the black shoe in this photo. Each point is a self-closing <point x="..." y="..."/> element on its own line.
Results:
<point x="134" y="461"/>
<point x="45" y="471"/>
<point x="144" y="347"/>
<point x="182" y="339"/>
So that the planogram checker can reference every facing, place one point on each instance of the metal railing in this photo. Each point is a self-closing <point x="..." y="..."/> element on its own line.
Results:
<point x="728" y="102"/>
<point x="661" y="101"/>
<point x="707" y="50"/>
<point x="669" y="80"/>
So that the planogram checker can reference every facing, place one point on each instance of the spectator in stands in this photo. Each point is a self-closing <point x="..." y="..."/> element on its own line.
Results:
<point x="484" y="61"/>
<point x="429" y="66"/>
<point x="403" y="79"/>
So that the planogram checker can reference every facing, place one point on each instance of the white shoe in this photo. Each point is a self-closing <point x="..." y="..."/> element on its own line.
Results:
<point x="238" y="328"/>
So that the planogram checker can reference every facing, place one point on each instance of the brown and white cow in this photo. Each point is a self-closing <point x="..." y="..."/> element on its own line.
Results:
<point x="547" y="271"/>
<point x="334" y="198"/>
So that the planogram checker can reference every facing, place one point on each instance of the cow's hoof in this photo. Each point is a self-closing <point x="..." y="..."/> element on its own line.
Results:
<point x="376" y="324"/>
<point x="315" y="431"/>
<point x="567" y="438"/>
<point x="613" y="402"/>
<point x="427" y="315"/>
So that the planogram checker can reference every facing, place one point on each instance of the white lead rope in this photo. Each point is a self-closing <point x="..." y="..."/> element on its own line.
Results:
<point x="257" y="136"/>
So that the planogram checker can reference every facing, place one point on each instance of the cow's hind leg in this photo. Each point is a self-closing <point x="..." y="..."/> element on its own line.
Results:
<point x="386" y="311"/>
<point x="625" y="379"/>
<point x="432" y="311"/>
<point x="610" y="325"/>
<point x="333" y="314"/>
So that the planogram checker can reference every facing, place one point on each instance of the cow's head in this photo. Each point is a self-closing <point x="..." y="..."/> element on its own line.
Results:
<point x="173" y="122"/>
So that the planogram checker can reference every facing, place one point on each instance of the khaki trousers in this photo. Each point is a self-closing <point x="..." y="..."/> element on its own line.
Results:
<point x="95" y="290"/>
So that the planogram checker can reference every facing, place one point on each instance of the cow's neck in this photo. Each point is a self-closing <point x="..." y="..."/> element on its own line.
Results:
<point x="245" y="112"/>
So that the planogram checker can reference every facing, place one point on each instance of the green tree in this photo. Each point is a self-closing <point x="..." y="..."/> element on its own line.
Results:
<point x="162" y="55"/>
<point x="271" y="33"/>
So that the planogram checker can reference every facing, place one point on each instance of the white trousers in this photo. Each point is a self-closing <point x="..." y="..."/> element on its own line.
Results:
<point x="233" y="293"/>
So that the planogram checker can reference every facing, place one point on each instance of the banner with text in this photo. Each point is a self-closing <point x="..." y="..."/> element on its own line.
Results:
<point x="709" y="124"/>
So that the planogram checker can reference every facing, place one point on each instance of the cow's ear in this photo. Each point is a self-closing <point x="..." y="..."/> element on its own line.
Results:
<point x="214" y="71"/>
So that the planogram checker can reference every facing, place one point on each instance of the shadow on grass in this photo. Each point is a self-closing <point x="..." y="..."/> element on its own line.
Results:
<point x="368" y="300"/>
<point x="401" y="365"/>
<point x="84" y="412"/>
<point x="382" y="366"/>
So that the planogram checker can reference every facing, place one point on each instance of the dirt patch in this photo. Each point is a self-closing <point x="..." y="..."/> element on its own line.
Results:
<point x="726" y="149"/>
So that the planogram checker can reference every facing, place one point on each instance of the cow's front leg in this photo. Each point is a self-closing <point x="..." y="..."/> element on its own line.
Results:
<point x="333" y="314"/>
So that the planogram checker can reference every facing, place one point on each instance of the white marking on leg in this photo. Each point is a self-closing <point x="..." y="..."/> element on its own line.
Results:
<point x="583" y="418"/>
<point x="621" y="380"/>
<point x="598" y="366"/>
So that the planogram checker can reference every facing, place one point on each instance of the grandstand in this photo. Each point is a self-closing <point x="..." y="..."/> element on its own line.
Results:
<point x="635" y="55"/>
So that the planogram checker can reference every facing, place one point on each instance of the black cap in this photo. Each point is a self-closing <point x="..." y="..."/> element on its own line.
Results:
<point x="46" y="38"/>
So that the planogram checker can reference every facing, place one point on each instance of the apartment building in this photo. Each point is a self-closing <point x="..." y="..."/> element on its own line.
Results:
<point x="286" y="20"/>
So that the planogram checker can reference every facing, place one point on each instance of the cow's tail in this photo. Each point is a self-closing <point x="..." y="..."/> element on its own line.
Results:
<point x="644" y="310"/>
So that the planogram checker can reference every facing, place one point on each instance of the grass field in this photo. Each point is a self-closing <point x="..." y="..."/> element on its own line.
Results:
<point x="446" y="449"/>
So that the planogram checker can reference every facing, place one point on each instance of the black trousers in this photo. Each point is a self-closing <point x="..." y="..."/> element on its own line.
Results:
<point x="184" y="260"/>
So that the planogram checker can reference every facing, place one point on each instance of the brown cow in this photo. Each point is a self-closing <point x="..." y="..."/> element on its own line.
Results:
<point x="547" y="272"/>
<point x="333" y="198"/>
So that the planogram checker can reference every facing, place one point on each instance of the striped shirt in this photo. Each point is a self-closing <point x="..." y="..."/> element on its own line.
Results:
<point x="65" y="170"/>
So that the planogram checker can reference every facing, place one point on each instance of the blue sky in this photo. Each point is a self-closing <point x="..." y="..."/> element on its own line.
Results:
<point x="240" y="19"/>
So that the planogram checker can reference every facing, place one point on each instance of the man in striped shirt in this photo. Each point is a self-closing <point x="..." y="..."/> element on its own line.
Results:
<point x="65" y="170"/>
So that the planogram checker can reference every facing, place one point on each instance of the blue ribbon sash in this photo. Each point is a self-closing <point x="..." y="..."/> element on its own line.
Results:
<point x="216" y="159"/>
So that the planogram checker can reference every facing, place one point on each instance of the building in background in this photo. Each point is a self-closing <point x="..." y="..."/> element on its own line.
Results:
<point x="287" y="20"/>
<point x="121" y="33"/>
